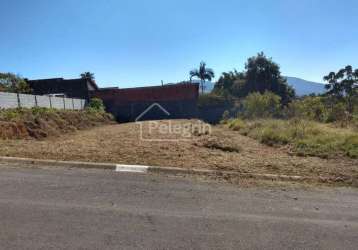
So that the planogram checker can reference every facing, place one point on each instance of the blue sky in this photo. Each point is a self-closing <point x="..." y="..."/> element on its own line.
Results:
<point x="138" y="43"/>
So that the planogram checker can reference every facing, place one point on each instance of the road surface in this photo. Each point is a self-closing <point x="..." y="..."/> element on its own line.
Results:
<point x="94" y="209"/>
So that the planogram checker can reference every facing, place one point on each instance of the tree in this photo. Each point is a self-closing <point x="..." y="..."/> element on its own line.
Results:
<point x="261" y="74"/>
<point x="343" y="86"/>
<point x="203" y="73"/>
<point x="87" y="75"/>
<point x="230" y="83"/>
<point x="13" y="83"/>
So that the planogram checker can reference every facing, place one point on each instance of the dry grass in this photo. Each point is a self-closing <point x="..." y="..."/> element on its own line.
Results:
<point x="40" y="123"/>
<point x="223" y="149"/>
<point x="305" y="138"/>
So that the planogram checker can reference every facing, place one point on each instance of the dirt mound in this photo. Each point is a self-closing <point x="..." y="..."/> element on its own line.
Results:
<point x="41" y="123"/>
<point x="13" y="130"/>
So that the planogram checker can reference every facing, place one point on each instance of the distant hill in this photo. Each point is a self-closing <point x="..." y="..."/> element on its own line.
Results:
<point x="301" y="86"/>
<point x="304" y="87"/>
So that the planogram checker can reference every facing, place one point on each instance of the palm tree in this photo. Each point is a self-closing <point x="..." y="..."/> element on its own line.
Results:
<point x="87" y="75"/>
<point x="203" y="73"/>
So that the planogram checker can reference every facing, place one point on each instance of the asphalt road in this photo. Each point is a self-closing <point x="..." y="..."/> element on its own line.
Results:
<point x="93" y="209"/>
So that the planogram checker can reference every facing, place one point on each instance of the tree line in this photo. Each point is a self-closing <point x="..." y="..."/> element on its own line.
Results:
<point x="262" y="76"/>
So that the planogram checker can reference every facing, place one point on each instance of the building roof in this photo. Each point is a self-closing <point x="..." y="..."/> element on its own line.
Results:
<point x="53" y="81"/>
<point x="150" y="94"/>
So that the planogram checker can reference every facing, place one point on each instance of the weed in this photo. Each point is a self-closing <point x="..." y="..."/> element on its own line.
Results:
<point x="307" y="138"/>
<point x="43" y="122"/>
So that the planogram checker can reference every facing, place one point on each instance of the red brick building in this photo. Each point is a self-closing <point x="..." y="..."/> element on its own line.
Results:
<point x="180" y="100"/>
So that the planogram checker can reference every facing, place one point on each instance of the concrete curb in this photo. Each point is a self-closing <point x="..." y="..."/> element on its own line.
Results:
<point x="165" y="170"/>
<point x="172" y="170"/>
<point x="75" y="164"/>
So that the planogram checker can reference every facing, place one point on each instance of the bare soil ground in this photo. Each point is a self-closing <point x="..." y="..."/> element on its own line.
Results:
<point x="222" y="149"/>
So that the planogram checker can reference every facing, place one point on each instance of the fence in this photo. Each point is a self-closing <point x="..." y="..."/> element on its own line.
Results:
<point x="14" y="100"/>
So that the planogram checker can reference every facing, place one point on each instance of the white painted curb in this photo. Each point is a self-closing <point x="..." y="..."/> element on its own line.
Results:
<point x="131" y="168"/>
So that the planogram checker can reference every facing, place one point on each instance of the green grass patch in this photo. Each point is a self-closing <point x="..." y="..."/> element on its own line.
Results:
<point x="236" y="124"/>
<point x="306" y="138"/>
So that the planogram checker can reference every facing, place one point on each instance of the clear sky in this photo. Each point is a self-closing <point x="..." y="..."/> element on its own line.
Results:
<point x="138" y="43"/>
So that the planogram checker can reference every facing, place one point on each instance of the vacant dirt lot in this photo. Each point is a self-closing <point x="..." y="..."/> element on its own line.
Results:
<point x="221" y="149"/>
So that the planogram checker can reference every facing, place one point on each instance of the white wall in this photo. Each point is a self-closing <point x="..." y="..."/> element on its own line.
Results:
<point x="13" y="100"/>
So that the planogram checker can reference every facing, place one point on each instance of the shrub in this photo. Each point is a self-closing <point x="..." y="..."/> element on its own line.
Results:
<point x="270" y="137"/>
<point x="355" y="122"/>
<point x="96" y="104"/>
<point x="226" y="116"/>
<point x="236" y="124"/>
<point x="310" y="108"/>
<point x="9" y="114"/>
<point x="339" y="113"/>
<point x="351" y="146"/>
<point x="258" y="105"/>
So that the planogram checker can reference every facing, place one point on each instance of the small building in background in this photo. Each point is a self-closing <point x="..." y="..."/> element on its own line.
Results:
<point x="73" y="88"/>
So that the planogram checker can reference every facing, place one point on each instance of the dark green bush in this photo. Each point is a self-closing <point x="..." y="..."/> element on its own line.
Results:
<point x="96" y="104"/>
